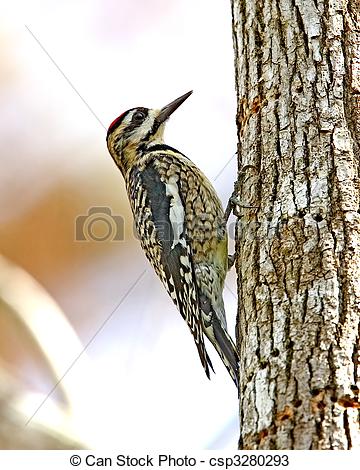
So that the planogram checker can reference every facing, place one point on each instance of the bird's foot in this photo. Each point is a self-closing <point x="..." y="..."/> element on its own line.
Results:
<point x="235" y="203"/>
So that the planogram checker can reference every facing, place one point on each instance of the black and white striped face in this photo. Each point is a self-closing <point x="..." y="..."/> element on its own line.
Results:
<point x="136" y="124"/>
<point x="137" y="128"/>
<point x="132" y="128"/>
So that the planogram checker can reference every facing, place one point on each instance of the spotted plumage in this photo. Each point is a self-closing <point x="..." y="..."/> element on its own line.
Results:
<point x="179" y="219"/>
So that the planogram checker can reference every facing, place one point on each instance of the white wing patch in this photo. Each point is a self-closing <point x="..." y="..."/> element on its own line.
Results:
<point x="177" y="213"/>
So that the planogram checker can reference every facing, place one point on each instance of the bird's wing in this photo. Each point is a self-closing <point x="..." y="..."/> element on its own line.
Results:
<point x="159" y="218"/>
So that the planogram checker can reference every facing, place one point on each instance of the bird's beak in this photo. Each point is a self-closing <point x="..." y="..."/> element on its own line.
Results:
<point x="167" y="110"/>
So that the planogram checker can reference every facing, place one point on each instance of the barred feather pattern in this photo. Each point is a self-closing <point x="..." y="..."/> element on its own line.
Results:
<point x="190" y="255"/>
<point x="185" y="298"/>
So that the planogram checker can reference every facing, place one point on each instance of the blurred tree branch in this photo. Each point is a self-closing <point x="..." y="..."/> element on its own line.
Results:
<point x="39" y="322"/>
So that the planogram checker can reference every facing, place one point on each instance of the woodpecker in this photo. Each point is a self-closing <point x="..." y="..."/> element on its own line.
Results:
<point x="180" y="222"/>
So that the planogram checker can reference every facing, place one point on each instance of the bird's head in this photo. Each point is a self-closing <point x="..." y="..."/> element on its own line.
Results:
<point x="136" y="129"/>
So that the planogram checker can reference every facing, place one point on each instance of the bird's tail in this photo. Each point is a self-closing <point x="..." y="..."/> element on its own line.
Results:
<point x="204" y="358"/>
<point x="225" y="347"/>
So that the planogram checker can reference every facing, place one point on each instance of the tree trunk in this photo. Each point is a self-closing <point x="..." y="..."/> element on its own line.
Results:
<point x="298" y="245"/>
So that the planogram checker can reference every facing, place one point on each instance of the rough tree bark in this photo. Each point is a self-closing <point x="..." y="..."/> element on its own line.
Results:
<point x="298" y="248"/>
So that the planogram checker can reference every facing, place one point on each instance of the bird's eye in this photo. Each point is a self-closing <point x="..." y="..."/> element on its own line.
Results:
<point x="138" y="116"/>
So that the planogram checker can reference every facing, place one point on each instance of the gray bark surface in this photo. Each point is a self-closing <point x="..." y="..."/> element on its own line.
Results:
<point x="297" y="69"/>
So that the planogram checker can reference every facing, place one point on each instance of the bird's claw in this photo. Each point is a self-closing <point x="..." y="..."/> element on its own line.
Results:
<point x="234" y="206"/>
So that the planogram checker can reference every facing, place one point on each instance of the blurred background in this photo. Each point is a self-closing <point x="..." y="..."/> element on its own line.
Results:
<point x="92" y="351"/>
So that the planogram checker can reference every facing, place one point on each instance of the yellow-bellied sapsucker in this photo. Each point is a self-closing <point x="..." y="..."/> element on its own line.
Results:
<point x="180" y="223"/>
